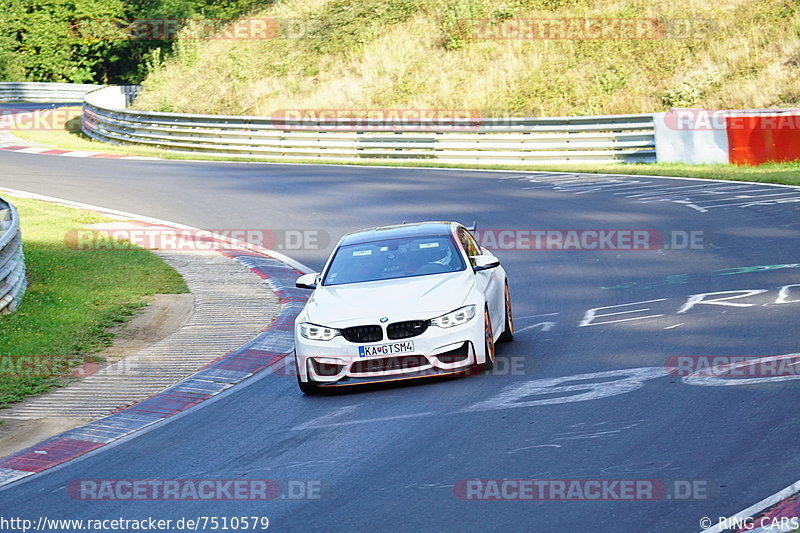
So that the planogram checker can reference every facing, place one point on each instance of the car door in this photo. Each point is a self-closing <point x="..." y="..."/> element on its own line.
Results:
<point x="490" y="282"/>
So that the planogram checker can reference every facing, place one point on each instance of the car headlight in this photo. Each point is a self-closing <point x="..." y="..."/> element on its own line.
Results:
<point x="317" y="333"/>
<point x="455" y="318"/>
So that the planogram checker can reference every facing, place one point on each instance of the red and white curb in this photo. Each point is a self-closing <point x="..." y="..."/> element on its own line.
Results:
<point x="10" y="143"/>
<point x="43" y="150"/>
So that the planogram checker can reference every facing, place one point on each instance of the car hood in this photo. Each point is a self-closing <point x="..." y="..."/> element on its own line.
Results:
<point x="418" y="297"/>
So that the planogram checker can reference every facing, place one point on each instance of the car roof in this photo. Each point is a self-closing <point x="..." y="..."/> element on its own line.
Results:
<point x="417" y="229"/>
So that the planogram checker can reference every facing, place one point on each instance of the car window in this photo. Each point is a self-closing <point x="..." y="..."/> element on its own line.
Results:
<point x="394" y="258"/>
<point x="469" y="243"/>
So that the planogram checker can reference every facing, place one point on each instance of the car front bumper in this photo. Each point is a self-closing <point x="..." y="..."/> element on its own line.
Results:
<point x="436" y="352"/>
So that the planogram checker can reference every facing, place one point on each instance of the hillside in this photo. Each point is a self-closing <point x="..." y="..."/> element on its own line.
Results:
<point x="446" y="54"/>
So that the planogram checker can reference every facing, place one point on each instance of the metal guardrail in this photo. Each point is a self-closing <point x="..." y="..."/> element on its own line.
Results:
<point x="624" y="138"/>
<point x="44" y="92"/>
<point x="12" y="261"/>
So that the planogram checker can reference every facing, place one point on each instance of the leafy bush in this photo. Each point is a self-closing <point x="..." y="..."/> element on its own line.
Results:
<point x="457" y="22"/>
<point x="690" y="91"/>
<point x="343" y="25"/>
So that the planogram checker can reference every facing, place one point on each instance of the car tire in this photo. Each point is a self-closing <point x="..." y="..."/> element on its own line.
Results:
<point x="488" y="341"/>
<point x="508" y="329"/>
<point x="306" y="387"/>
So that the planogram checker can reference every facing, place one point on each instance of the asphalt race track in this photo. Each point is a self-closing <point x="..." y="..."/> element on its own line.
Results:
<point x="392" y="459"/>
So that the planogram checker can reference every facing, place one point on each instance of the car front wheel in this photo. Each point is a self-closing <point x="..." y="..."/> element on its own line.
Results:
<point x="508" y="330"/>
<point x="488" y="341"/>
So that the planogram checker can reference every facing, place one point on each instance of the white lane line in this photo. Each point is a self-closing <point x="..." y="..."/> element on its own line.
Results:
<point x="675" y="192"/>
<point x="556" y="179"/>
<point x="551" y="179"/>
<point x="727" y="187"/>
<point x="600" y="188"/>
<point x="566" y="179"/>
<point x="688" y="203"/>
<point x="314" y="422"/>
<point x="585" y="183"/>
<point x="313" y="425"/>
<point x="546" y="326"/>
<point x="544" y="185"/>
<point x="533" y="447"/>
<point x="754" y="201"/>
<point x="677" y="198"/>
<point x="642" y="187"/>
<point x="753" y="510"/>
<point x="535" y="316"/>
<point x="558" y="183"/>
<point x="695" y="186"/>
<point x="742" y="195"/>
<point x="591" y="314"/>
<point x="706" y="191"/>
<point x="577" y="184"/>
<point x="591" y="187"/>
<point x="702" y="189"/>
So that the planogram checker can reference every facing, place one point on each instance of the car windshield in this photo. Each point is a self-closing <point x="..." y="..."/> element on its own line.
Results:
<point x="394" y="258"/>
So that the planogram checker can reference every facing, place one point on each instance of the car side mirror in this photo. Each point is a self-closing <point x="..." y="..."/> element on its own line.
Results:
<point x="307" y="281"/>
<point x="484" y="262"/>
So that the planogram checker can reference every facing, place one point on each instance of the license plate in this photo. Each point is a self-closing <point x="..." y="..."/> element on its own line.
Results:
<point x="386" y="349"/>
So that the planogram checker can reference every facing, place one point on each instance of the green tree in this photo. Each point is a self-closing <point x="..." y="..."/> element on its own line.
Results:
<point x="39" y="41"/>
<point x="85" y="41"/>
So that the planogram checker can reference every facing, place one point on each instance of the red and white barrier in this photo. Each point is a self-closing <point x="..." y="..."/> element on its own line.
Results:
<point x="742" y="137"/>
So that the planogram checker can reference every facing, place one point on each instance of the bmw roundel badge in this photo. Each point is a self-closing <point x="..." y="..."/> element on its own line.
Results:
<point x="384" y="319"/>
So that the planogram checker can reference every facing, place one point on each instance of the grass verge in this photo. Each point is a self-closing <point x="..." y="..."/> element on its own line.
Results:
<point x="784" y="173"/>
<point x="74" y="301"/>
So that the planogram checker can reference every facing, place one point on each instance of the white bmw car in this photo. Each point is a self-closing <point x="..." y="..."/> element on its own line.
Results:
<point x="401" y="302"/>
